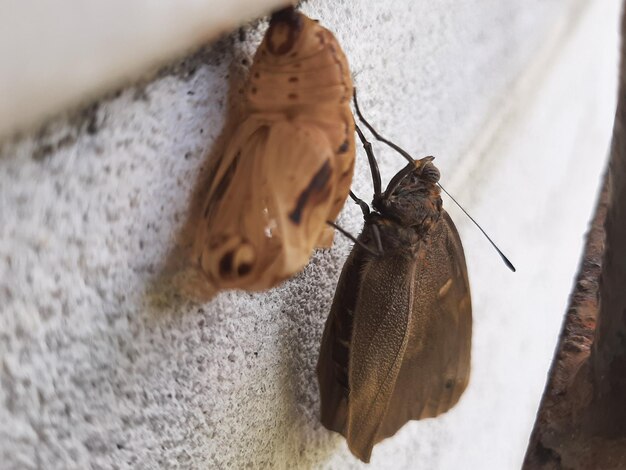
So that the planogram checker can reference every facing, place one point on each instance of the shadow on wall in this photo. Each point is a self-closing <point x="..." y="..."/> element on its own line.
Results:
<point x="164" y="291"/>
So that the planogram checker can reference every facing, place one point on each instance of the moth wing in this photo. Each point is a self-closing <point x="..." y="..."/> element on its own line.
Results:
<point x="436" y="363"/>
<point x="381" y="331"/>
<point x="332" y="365"/>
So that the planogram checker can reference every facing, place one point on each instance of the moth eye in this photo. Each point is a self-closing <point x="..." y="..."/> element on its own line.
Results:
<point x="430" y="173"/>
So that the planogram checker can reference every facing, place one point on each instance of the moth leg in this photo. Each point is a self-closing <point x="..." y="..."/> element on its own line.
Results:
<point x="371" y="159"/>
<point x="376" y="135"/>
<point x="353" y="238"/>
<point x="362" y="204"/>
<point x="376" y="233"/>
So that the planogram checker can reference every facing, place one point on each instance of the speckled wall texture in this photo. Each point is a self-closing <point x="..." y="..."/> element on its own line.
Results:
<point x="98" y="370"/>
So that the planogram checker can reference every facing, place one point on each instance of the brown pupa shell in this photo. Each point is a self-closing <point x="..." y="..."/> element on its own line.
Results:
<point x="288" y="167"/>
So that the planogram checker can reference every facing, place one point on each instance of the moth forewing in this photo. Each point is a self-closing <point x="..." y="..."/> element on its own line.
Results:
<point x="287" y="168"/>
<point x="435" y="370"/>
<point x="332" y="367"/>
<point x="381" y="329"/>
<point x="396" y="346"/>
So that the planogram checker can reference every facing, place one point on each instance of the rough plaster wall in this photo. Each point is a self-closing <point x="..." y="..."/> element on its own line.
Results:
<point x="95" y="373"/>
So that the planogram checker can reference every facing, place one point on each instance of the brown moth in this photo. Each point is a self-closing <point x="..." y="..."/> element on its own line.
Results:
<point x="288" y="167"/>
<point x="396" y="346"/>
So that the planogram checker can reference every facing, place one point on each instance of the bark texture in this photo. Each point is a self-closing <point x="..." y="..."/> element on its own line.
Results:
<point x="581" y="423"/>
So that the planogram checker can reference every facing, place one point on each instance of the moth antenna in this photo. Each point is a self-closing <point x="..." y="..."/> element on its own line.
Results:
<point x="353" y="238"/>
<point x="362" y="204"/>
<point x="370" y="158"/>
<point x="376" y="135"/>
<point x="395" y="181"/>
<point x="504" y="258"/>
<point x="410" y="159"/>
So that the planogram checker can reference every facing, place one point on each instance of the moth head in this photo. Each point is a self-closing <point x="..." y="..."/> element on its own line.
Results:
<point x="412" y="197"/>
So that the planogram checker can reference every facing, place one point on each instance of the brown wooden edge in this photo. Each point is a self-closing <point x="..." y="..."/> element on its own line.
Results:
<point x="581" y="423"/>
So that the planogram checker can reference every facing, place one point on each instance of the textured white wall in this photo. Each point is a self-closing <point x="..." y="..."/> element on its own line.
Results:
<point x="514" y="98"/>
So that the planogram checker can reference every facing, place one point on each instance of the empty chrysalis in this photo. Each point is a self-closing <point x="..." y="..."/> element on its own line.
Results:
<point x="288" y="167"/>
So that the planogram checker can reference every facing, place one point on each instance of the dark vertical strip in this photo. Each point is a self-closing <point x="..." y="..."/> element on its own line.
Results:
<point x="581" y="423"/>
<point x="608" y="356"/>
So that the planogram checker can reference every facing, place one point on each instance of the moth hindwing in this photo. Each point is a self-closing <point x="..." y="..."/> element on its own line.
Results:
<point x="396" y="346"/>
<point x="287" y="168"/>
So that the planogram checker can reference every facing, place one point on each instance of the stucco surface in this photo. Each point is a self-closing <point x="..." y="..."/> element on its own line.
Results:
<point x="98" y="370"/>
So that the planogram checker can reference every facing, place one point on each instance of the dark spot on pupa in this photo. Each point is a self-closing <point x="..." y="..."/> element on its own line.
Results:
<point x="292" y="96"/>
<point x="242" y="35"/>
<point x="253" y="90"/>
<point x="243" y="269"/>
<point x="316" y="185"/>
<point x="226" y="264"/>
<point x="294" y="79"/>
<point x="256" y="75"/>
<point x="223" y="184"/>
<point x="293" y="21"/>
<point x="449" y="384"/>
<point x="244" y="62"/>
<point x="343" y="148"/>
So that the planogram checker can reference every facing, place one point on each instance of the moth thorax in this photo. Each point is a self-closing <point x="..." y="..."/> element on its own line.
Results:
<point x="230" y="260"/>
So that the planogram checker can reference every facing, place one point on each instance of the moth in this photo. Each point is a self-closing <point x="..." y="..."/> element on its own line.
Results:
<point x="396" y="346"/>
<point x="288" y="167"/>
